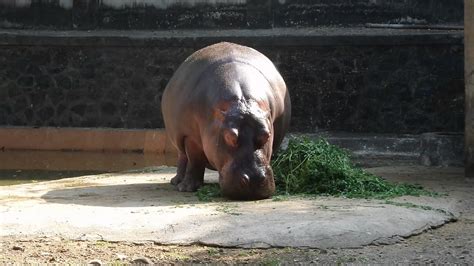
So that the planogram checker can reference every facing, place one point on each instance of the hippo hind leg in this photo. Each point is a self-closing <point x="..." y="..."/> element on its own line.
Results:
<point x="195" y="163"/>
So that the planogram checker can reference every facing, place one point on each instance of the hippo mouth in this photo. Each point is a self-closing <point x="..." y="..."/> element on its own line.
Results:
<point x="244" y="187"/>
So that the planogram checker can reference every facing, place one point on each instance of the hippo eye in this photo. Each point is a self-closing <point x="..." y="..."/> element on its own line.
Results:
<point x="231" y="137"/>
<point x="262" y="139"/>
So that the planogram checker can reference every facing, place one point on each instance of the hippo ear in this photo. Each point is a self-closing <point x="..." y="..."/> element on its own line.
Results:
<point x="231" y="137"/>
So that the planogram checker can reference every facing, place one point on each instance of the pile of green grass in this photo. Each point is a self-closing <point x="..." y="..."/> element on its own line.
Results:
<point x="315" y="167"/>
<point x="309" y="167"/>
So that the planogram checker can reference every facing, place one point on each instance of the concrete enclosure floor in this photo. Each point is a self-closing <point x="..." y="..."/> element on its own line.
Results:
<point x="141" y="206"/>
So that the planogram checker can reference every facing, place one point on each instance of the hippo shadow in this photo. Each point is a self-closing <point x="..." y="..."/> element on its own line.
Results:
<point x="127" y="195"/>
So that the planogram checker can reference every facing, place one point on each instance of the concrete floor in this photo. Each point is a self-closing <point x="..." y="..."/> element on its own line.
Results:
<point x="141" y="206"/>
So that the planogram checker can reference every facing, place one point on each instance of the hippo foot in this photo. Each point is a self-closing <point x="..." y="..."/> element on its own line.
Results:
<point x="189" y="185"/>
<point x="176" y="180"/>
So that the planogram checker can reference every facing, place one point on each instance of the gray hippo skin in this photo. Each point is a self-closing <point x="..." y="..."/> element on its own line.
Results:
<point x="226" y="108"/>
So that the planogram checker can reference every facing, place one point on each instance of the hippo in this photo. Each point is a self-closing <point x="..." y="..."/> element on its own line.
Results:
<point x="226" y="108"/>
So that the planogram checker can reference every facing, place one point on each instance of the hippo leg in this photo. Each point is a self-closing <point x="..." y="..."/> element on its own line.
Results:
<point x="195" y="166"/>
<point x="182" y="162"/>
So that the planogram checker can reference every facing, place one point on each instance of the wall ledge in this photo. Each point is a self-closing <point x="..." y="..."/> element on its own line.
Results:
<point x="321" y="36"/>
<point x="85" y="139"/>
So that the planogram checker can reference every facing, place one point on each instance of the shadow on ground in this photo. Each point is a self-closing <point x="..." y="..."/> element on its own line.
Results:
<point x="129" y="195"/>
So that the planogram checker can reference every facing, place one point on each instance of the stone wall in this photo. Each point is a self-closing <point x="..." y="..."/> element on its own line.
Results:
<point x="379" y="84"/>
<point x="401" y="89"/>
<point x="117" y="87"/>
<point x="469" y="75"/>
<point x="180" y="14"/>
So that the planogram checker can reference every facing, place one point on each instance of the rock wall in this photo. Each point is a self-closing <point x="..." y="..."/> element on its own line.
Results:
<point x="373" y="86"/>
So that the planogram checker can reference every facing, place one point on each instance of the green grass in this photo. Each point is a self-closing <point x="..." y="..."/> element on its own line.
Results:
<point x="423" y="207"/>
<point x="208" y="192"/>
<point x="315" y="167"/>
<point x="310" y="167"/>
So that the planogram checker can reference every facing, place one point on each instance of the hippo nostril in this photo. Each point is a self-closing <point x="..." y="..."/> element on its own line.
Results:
<point x="258" y="177"/>
<point x="245" y="180"/>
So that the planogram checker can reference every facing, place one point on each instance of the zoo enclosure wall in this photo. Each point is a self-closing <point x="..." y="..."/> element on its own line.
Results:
<point x="341" y="78"/>
<point x="222" y="14"/>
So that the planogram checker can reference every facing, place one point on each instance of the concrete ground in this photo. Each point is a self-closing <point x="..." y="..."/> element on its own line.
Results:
<point x="141" y="206"/>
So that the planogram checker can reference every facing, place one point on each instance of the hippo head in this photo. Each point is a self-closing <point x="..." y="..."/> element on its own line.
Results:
<point x="245" y="146"/>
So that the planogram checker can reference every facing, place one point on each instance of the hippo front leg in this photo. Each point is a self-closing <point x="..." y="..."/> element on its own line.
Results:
<point x="195" y="166"/>
<point x="181" y="171"/>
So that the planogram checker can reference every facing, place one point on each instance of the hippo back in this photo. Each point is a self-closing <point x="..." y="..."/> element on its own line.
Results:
<point x="187" y="76"/>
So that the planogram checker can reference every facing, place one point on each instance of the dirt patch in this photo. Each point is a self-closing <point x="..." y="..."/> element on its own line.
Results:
<point x="452" y="243"/>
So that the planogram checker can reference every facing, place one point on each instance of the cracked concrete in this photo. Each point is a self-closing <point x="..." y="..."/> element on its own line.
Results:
<point x="141" y="206"/>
